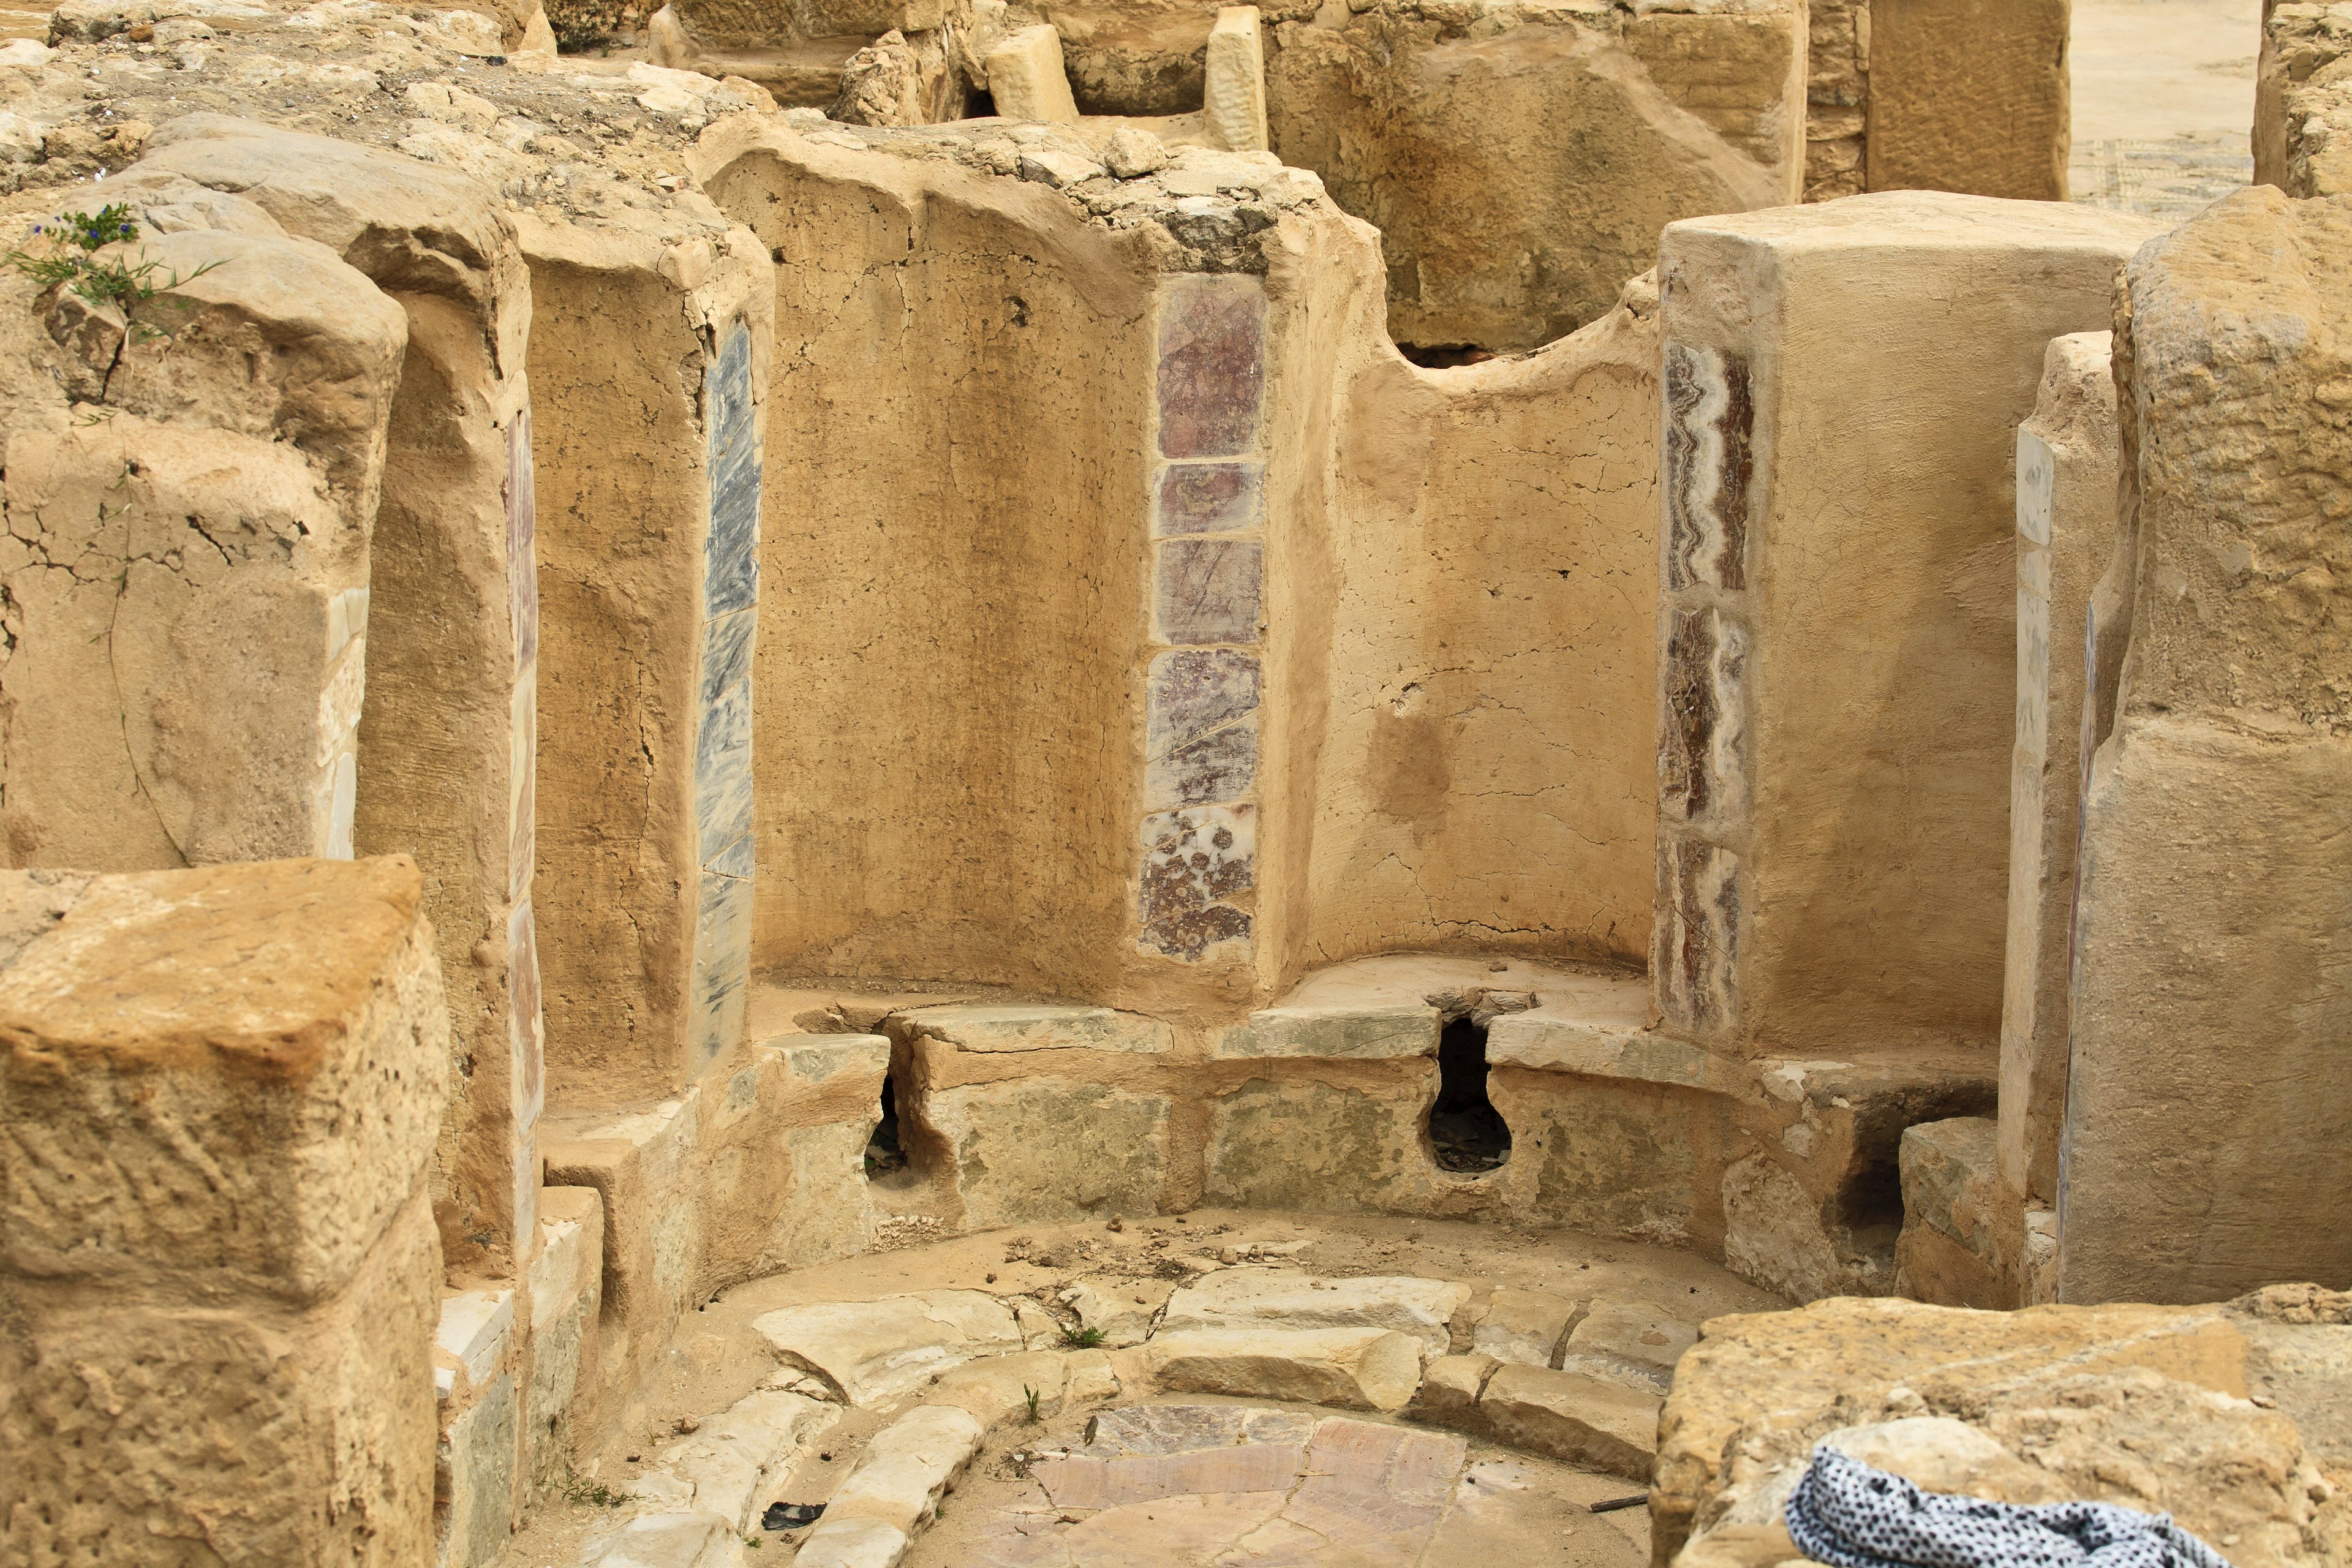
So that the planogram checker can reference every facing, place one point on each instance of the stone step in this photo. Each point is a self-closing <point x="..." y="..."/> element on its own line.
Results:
<point x="724" y="1467"/>
<point x="1281" y="1299"/>
<point x="869" y="1351"/>
<point x="894" y="1491"/>
<point x="1353" y="1369"/>
<point x="1570" y="1415"/>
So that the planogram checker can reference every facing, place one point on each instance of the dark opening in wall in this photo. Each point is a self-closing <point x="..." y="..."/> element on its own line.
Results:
<point x="1466" y="1130"/>
<point x="1444" y="356"/>
<point x="884" y="1157"/>
<point x="979" y="106"/>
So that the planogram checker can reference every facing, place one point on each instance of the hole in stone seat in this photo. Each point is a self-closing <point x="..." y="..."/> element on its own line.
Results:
<point x="1465" y="1131"/>
<point x="885" y="1158"/>
<point x="1444" y="356"/>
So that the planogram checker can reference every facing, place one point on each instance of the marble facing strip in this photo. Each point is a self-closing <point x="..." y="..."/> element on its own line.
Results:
<point x="1709" y="440"/>
<point x="525" y="1038"/>
<point x="1204" y="682"/>
<point x="722" y="750"/>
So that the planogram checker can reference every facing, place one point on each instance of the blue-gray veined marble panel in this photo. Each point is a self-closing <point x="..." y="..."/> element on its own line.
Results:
<point x="722" y="963"/>
<point x="731" y="567"/>
<point x="727" y="644"/>
<point x="722" y="773"/>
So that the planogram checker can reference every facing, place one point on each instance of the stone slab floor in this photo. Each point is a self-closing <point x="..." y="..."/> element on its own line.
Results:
<point x="1108" y="1481"/>
<point x="1186" y="1482"/>
<point x="2163" y="102"/>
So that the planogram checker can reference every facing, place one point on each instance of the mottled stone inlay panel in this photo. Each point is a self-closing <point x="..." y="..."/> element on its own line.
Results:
<point x="1710" y="418"/>
<point x="1698" y="933"/>
<point x="1700" y="772"/>
<point x="1195" y="861"/>
<point x="1212" y="365"/>
<point x="1209" y="497"/>
<point x="1192" y="691"/>
<point x="1208" y="591"/>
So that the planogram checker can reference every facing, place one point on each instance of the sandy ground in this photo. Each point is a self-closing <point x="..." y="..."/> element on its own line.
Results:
<point x="2163" y="102"/>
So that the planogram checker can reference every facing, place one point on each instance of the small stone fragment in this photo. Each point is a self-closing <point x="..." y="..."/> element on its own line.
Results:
<point x="1132" y="153"/>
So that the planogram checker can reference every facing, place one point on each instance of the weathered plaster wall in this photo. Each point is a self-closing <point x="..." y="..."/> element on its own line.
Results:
<point x="952" y="549"/>
<point x="1476" y="622"/>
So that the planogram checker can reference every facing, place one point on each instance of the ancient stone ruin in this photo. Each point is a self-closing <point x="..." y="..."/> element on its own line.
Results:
<point x="1123" y="782"/>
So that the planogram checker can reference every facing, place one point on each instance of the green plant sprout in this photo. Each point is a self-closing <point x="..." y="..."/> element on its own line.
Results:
<point x="70" y="260"/>
<point x="1030" y="1395"/>
<point x="1082" y="1339"/>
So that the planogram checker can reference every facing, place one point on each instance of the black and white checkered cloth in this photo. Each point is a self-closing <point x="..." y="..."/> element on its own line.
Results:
<point x="1848" y="1514"/>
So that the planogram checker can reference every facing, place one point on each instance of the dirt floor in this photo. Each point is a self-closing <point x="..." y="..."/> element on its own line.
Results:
<point x="716" y="1359"/>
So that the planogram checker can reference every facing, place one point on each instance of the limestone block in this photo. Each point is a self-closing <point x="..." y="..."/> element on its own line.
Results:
<point x="1288" y="1298"/>
<point x="1771" y="320"/>
<point x="2207" y="1102"/>
<point x="2066" y="457"/>
<point x="474" y="1473"/>
<point x="163" y="1027"/>
<point x="851" y="1543"/>
<point x="1015" y="1161"/>
<point x="190" y="702"/>
<point x="476" y="1331"/>
<point x="1031" y="1028"/>
<point x="2303" y="100"/>
<point x="1465" y="150"/>
<point x="1548" y="1044"/>
<point x="1025" y="76"/>
<point x="1353" y="1032"/>
<point x="856" y="1063"/>
<point x="1568" y="1416"/>
<point x="872" y="1351"/>
<point x="566" y="1284"/>
<point x="1615" y="1156"/>
<point x="1969" y="95"/>
<point x="1234" y="99"/>
<point x="640" y="1167"/>
<point x="733" y="1461"/>
<point x="1312" y="1146"/>
<point x="1448" y="1395"/>
<point x="1524" y="1327"/>
<point x="1949" y="1252"/>
<point x="2147" y="1394"/>
<point x="908" y="1464"/>
<point x="1091" y="1376"/>
<point x="1862" y="1350"/>
<point x="1627" y="1342"/>
<point x="1354" y="1368"/>
<point x="1122" y="1311"/>
<point x="220" y="1425"/>
<point x="995" y="1389"/>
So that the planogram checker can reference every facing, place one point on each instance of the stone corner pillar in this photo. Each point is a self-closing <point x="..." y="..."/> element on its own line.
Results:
<point x="219" y="1094"/>
<point x="1838" y="621"/>
<point x="2208" y="1142"/>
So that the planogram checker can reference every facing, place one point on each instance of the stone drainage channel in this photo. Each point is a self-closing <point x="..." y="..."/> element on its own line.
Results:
<point x="1178" y="1391"/>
